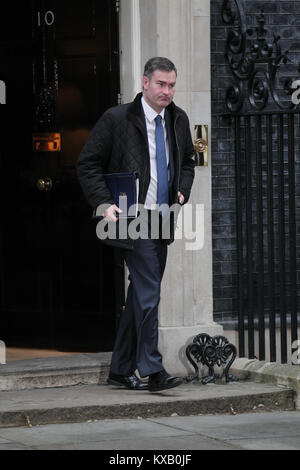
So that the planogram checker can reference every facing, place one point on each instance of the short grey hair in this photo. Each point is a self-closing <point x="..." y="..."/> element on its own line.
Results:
<point x="158" y="63"/>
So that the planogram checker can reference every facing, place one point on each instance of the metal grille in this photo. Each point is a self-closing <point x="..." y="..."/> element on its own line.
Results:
<point x="266" y="228"/>
<point x="266" y="123"/>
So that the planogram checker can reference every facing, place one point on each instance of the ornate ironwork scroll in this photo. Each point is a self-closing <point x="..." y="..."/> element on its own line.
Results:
<point x="211" y="352"/>
<point x="254" y="60"/>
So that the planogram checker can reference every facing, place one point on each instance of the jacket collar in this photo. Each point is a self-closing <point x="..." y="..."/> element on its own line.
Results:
<point x="136" y="108"/>
<point x="136" y="114"/>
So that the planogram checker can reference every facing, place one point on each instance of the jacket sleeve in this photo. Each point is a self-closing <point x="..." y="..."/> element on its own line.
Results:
<point x="187" y="172"/>
<point x="93" y="161"/>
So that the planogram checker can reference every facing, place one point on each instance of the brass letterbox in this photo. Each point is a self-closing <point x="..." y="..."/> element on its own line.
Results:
<point x="46" y="142"/>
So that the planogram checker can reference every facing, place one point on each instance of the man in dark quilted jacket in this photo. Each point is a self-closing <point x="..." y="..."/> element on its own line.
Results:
<point x="151" y="137"/>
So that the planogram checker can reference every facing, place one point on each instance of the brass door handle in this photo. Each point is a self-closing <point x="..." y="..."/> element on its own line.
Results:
<point x="44" y="184"/>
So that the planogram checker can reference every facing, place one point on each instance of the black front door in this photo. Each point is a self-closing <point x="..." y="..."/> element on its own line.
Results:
<point x="59" y="64"/>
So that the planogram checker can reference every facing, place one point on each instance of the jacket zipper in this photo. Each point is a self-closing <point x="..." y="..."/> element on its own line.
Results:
<point x="178" y="156"/>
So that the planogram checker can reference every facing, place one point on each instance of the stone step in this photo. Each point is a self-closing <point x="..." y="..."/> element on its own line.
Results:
<point x="82" y="403"/>
<point x="55" y="372"/>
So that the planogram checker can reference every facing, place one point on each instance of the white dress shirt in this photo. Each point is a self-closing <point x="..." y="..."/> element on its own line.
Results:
<point x="150" y="115"/>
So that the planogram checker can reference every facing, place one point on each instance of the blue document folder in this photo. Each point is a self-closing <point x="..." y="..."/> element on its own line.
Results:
<point x="124" y="188"/>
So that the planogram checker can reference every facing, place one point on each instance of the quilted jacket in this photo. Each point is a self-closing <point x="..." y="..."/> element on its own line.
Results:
<point x="119" y="143"/>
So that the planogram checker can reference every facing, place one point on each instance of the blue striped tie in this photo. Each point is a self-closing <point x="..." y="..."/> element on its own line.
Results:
<point x="161" y="161"/>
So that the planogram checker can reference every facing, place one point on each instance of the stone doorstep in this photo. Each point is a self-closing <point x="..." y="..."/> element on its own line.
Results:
<point x="282" y="375"/>
<point x="97" y="402"/>
<point x="55" y="372"/>
<point x="93" y="368"/>
<point x="74" y="389"/>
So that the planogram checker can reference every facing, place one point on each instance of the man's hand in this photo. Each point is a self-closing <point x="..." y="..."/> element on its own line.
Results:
<point x="180" y="198"/>
<point x="109" y="214"/>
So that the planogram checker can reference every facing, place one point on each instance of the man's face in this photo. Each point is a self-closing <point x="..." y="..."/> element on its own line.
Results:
<point x="159" y="91"/>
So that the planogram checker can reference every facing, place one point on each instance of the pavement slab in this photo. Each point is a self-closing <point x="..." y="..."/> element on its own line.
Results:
<point x="249" y="431"/>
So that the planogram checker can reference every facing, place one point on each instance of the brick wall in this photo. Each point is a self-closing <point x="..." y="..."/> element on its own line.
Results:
<point x="282" y="17"/>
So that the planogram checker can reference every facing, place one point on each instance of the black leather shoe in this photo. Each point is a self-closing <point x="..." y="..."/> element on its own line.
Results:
<point x="163" y="381"/>
<point x="131" y="382"/>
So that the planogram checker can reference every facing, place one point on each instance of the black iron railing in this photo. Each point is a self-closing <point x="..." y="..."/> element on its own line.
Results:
<point x="266" y="228"/>
<point x="267" y="141"/>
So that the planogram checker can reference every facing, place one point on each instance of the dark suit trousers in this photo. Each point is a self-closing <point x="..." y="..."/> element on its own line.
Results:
<point x="137" y="336"/>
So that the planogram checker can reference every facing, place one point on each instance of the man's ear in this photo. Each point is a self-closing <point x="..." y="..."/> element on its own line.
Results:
<point x="145" y="82"/>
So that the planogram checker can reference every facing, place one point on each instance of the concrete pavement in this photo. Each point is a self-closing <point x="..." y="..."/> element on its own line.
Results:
<point x="120" y="438"/>
<point x="66" y="404"/>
